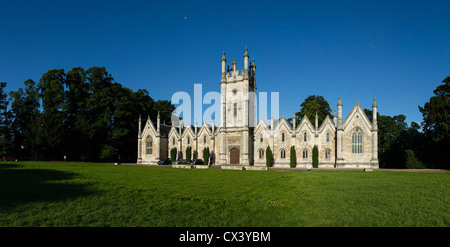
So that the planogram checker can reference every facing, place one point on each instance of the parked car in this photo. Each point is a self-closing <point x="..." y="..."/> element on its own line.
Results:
<point x="164" y="162"/>
<point x="9" y="158"/>
<point x="197" y="162"/>
<point x="179" y="162"/>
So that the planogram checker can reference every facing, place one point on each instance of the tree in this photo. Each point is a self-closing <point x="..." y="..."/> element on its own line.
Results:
<point x="293" y="158"/>
<point x="310" y="106"/>
<point x="315" y="154"/>
<point x="411" y="161"/>
<point x="188" y="153"/>
<point x="77" y="143"/>
<point x="269" y="157"/>
<point x="51" y="87"/>
<point x="173" y="154"/>
<point x="27" y="126"/>
<point x="205" y="155"/>
<point x="436" y="125"/>
<point x="5" y="128"/>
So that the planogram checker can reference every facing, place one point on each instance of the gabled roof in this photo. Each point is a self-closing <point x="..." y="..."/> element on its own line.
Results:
<point x="305" y="121"/>
<point x="261" y="125"/>
<point x="357" y="109"/>
<point x="188" y="128"/>
<point x="326" y="122"/>
<point x="281" y="122"/>
<point x="148" y="124"/>
<point x="206" y="128"/>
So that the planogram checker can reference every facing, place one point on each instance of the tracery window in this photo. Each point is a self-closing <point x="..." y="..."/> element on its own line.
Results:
<point x="149" y="145"/>
<point x="283" y="154"/>
<point x="357" y="142"/>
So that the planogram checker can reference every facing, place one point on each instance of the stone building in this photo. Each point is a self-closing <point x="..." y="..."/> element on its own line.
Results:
<point x="238" y="140"/>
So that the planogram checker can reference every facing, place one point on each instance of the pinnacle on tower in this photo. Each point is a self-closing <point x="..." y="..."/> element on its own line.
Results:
<point x="223" y="57"/>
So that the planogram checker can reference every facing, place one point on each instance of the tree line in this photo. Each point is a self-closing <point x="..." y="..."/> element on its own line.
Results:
<point x="424" y="145"/>
<point x="84" y="115"/>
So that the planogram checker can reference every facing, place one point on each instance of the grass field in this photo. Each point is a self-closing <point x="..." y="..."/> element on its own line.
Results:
<point x="91" y="194"/>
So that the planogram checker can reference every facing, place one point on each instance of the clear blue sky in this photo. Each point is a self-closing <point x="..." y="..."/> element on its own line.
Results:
<point x="396" y="51"/>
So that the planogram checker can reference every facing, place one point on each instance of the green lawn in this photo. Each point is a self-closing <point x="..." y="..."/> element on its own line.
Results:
<point x="91" y="194"/>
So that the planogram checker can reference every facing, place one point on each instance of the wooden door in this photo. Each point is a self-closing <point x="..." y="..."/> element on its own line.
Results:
<point x="234" y="156"/>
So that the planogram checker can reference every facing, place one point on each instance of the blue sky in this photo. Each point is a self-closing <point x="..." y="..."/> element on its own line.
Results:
<point x="396" y="51"/>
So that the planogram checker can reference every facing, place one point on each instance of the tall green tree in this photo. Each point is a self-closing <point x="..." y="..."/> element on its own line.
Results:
<point x="51" y="86"/>
<point x="27" y="121"/>
<point x="269" y="158"/>
<point x="77" y="143"/>
<point x="293" y="158"/>
<point x="436" y="125"/>
<point x="310" y="106"/>
<point x="5" y="128"/>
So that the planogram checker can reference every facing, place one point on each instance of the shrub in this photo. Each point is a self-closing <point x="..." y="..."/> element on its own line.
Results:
<point x="188" y="153"/>
<point x="173" y="154"/>
<point x="268" y="157"/>
<point x="108" y="153"/>
<point x="293" y="160"/>
<point x="205" y="155"/>
<point x="315" y="154"/>
<point x="411" y="161"/>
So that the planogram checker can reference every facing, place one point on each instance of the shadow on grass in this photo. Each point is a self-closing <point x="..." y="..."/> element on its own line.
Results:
<point x="20" y="186"/>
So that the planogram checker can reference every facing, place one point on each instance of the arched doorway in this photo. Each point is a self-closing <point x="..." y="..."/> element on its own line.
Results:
<point x="234" y="156"/>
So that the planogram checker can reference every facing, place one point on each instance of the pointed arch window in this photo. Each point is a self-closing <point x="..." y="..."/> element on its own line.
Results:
<point x="283" y="154"/>
<point x="305" y="137"/>
<point x="282" y="137"/>
<point x="204" y="139"/>
<point x="261" y="136"/>
<point x="173" y="141"/>
<point x="357" y="142"/>
<point x="328" y="154"/>
<point x="189" y="140"/>
<point x="261" y="153"/>
<point x="305" y="154"/>
<point x="149" y="145"/>
<point x="328" y="137"/>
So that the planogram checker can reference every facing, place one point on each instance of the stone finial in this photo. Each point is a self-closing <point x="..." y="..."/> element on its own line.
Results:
<point x="339" y="102"/>
<point x="374" y="103"/>
<point x="246" y="52"/>
<point x="223" y="57"/>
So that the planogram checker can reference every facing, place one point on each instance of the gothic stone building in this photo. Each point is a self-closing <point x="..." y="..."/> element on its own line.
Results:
<point x="342" y="143"/>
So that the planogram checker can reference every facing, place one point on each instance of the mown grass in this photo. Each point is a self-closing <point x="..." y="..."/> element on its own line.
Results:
<point x="91" y="194"/>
